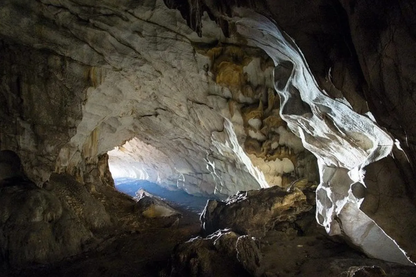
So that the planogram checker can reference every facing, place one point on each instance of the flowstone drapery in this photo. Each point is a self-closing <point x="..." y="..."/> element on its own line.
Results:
<point x="78" y="79"/>
<point x="344" y="141"/>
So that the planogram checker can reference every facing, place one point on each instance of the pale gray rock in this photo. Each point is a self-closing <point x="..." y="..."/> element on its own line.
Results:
<point x="152" y="207"/>
<point x="156" y="209"/>
<point x="138" y="88"/>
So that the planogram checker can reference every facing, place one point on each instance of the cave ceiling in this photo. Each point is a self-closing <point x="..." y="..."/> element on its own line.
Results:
<point x="217" y="97"/>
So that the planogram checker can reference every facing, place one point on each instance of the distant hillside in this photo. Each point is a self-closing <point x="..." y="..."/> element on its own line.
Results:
<point x="179" y="197"/>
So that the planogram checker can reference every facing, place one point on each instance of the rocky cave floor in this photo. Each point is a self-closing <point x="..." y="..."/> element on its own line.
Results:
<point x="267" y="233"/>
<point x="129" y="253"/>
<point x="158" y="247"/>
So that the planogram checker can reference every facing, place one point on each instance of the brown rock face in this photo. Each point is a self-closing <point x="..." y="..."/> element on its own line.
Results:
<point x="284" y="245"/>
<point x="40" y="99"/>
<point x="254" y="212"/>
<point x="215" y="255"/>
<point x="384" y="39"/>
<point x="43" y="225"/>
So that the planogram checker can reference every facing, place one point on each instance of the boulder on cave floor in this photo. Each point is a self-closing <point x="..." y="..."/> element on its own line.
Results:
<point x="254" y="212"/>
<point x="153" y="207"/>
<point x="298" y="248"/>
<point x="215" y="255"/>
<point x="262" y="234"/>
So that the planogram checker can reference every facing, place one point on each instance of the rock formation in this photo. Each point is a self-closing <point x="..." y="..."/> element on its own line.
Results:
<point x="286" y="241"/>
<point x="152" y="206"/>
<point x="254" y="212"/>
<point x="43" y="225"/>
<point x="215" y="255"/>
<point x="216" y="97"/>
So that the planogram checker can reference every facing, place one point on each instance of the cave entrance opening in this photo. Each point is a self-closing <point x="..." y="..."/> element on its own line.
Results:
<point x="137" y="166"/>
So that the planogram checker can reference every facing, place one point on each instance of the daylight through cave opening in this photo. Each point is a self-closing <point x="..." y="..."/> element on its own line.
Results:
<point x="136" y="160"/>
<point x="215" y="111"/>
<point x="138" y="168"/>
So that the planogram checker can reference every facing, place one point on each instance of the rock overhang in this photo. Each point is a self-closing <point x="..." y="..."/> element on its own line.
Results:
<point x="140" y="60"/>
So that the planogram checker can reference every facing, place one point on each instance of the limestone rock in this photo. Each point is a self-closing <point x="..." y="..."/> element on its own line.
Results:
<point x="341" y="213"/>
<point x="34" y="225"/>
<point x="98" y="107"/>
<point x="384" y="53"/>
<point x="79" y="202"/>
<point x="44" y="225"/>
<point x="215" y="255"/>
<point x="299" y="247"/>
<point x="156" y="209"/>
<point x="254" y="212"/>
<point x="344" y="140"/>
<point x="93" y="77"/>
<point x="249" y="254"/>
<point x="142" y="193"/>
<point x="46" y="91"/>
<point x="153" y="207"/>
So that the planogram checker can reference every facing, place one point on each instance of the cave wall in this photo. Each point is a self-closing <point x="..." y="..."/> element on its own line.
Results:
<point x="360" y="55"/>
<point x="121" y="68"/>
<point x="366" y="51"/>
<point x="41" y="105"/>
<point x="199" y="100"/>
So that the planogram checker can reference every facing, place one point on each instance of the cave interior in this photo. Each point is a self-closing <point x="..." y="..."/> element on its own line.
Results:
<point x="294" y="121"/>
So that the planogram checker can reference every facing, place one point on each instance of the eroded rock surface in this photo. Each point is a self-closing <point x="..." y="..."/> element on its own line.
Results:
<point x="345" y="144"/>
<point x="219" y="133"/>
<point x="254" y="212"/>
<point x="198" y="85"/>
<point x="41" y="225"/>
<point x="291" y="246"/>
<point x="151" y="206"/>
<point x="215" y="255"/>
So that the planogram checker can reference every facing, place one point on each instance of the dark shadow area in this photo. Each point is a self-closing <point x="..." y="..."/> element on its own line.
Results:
<point x="192" y="203"/>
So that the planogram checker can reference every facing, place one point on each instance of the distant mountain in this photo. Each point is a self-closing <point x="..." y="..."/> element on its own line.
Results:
<point x="179" y="197"/>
